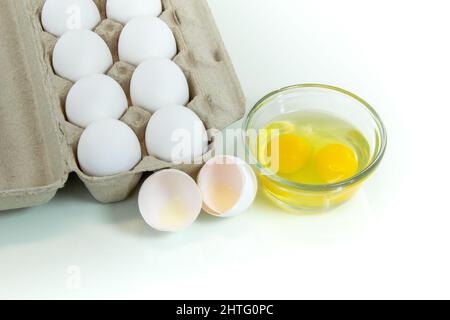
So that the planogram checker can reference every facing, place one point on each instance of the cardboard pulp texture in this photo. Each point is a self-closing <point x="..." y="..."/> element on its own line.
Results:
<point x="37" y="144"/>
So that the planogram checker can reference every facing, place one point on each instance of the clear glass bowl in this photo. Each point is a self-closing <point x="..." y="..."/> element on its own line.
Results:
<point x="318" y="98"/>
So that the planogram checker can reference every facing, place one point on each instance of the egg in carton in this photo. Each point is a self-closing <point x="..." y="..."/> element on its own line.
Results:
<point x="216" y="97"/>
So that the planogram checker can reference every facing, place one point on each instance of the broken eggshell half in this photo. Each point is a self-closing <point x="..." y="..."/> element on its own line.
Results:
<point x="228" y="185"/>
<point x="170" y="201"/>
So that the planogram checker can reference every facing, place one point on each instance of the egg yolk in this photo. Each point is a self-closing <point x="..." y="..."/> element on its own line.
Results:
<point x="336" y="162"/>
<point x="275" y="129"/>
<point x="291" y="153"/>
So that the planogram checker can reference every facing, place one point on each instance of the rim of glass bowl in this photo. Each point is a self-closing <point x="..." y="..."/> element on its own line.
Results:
<point x="381" y="144"/>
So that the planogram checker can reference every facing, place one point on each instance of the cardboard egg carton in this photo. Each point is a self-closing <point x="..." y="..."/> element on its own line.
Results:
<point x="38" y="145"/>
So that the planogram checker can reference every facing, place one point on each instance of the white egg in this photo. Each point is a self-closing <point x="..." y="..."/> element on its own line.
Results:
<point x="108" y="147"/>
<point x="124" y="10"/>
<point x="158" y="83"/>
<point x="228" y="185"/>
<point x="79" y="54"/>
<point x="176" y="134"/>
<point x="94" y="98"/>
<point x="146" y="37"/>
<point x="170" y="201"/>
<point x="60" y="16"/>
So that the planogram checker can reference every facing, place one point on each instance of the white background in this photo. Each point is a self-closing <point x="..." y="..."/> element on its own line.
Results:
<point x="391" y="241"/>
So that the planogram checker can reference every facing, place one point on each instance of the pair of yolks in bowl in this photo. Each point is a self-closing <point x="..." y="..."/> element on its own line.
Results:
<point x="310" y="152"/>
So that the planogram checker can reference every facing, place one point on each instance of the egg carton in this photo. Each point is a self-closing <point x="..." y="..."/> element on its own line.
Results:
<point x="38" y="145"/>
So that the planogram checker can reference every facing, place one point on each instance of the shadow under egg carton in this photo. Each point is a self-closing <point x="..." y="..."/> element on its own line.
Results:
<point x="216" y="96"/>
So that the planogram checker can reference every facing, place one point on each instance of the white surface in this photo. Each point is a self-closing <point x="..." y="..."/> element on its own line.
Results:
<point x="391" y="241"/>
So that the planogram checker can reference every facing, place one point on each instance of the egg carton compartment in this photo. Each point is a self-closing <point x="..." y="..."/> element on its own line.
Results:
<point x="216" y="97"/>
<point x="32" y="165"/>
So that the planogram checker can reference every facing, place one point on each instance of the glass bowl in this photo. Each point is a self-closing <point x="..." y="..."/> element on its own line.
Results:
<point x="317" y="98"/>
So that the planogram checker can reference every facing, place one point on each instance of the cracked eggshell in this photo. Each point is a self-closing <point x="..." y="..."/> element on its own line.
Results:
<point x="79" y="54"/>
<point x="123" y="11"/>
<point x="94" y="98"/>
<point x="177" y="135"/>
<point x="228" y="185"/>
<point x="146" y="37"/>
<point x="158" y="83"/>
<point x="60" y="16"/>
<point x="170" y="201"/>
<point x="108" y="147"/>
